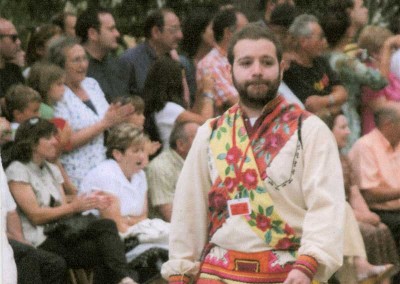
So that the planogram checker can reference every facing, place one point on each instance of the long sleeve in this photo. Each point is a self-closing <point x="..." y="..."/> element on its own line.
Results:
<point x="189" y="217"/>
<point x="323" y="192"/>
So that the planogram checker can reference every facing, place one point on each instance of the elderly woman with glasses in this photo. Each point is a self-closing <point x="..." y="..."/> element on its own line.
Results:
<point x="36" y="186"/>
<point x="84" y="106"/>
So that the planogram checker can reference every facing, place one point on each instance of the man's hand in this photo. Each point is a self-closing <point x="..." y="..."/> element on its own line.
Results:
<point x="297" y="277"/>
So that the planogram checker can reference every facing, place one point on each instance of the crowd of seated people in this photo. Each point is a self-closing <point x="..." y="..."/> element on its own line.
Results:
<point x="86" y="132"/>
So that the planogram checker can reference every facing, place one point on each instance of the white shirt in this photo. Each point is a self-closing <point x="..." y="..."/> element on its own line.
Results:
<point x="288" y="94"/>
<point x="80" y="161"/>
<point x="395" y="63"/>
<point x="108" y="177"/>
<point x="312" y="203"/>
<point x="8" y="268"/>
<point x="165" y="120"/>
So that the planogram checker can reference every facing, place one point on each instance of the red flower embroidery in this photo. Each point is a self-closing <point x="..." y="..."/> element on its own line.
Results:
<point x="230" y="183"/>
<point x="233" y="155"/>
<point x="220" y="121"/>
<point x="273" y="141"/>
<point x="284" y="244"/>
<point x="217" y="200"/>
<point x="288" y="230"/>
<point x="263" y="222"/>
<point x="288" y="116"/>
<point x="250" y="179"/>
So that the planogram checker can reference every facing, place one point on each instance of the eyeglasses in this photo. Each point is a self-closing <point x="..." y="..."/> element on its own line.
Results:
<point x="13" y="37"/>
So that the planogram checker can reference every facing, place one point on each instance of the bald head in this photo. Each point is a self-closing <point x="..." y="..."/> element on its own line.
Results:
<point x="387" y="120"/>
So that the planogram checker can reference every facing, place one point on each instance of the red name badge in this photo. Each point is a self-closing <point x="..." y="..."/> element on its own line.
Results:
<point x="239" y="206"/>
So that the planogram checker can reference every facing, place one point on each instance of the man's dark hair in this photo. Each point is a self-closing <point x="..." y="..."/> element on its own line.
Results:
<point x="254" y="31"/>
<point x="155" y="18"/>
<point x="335" y="23"/>
<point x="194" y="26"/>
<point x="394" y="25"/>
<point x="89" y="19"/>
<point x="262" y="4"/>
<point x="283" y="15"/>
<point x="223" y="19"/>
<point x="340" y="4"/>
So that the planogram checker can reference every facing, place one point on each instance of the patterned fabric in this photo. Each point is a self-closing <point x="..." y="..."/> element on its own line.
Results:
<point x="216" y="63"/>
<point x="308" y="178"/>
<point x="78" y="162"/>
<point x="242" y="167"/>
<point x="238" y="267"/>
<point x="162" y="174"/>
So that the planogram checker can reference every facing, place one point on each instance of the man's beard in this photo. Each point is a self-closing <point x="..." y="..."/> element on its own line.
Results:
<point x="257" y="99"/>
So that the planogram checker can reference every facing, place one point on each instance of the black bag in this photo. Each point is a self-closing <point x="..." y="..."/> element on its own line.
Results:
<point x="71" y="228"/>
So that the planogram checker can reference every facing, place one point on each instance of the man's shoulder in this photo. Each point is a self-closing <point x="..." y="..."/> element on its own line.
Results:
<point x="369" y="140"/>
<point x="165" y="159"/>
<point x="135" y="52"/>
<point x="211" y="58"/>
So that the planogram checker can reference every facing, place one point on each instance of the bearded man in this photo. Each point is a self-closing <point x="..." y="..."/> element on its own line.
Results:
<point x="260" y="198"/>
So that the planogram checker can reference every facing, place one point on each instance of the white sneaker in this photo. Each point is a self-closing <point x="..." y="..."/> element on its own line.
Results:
<point x="127" y="280"/>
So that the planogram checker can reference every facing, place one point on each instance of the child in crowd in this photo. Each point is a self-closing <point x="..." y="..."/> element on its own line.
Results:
<point x="137" y="119"/>
<point x="48" y="80"/>
<point x="22" y="103"/>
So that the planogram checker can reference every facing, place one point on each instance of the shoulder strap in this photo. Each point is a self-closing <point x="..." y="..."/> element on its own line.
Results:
<point x="299" y="124"/>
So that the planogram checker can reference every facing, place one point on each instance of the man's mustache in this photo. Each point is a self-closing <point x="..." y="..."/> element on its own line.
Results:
<point x="258" y="82"/>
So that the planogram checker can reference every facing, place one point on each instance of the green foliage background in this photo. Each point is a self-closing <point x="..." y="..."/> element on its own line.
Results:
<point x="130" y="14"/>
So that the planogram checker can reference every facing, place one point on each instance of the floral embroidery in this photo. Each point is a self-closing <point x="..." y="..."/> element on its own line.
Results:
<point x="250" y="179"/>
<point x="242" y="168"/>
<point x="263" y="222"/>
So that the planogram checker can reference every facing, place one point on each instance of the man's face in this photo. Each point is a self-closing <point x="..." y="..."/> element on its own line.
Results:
<point x="190" y="134"/>
<point x="171" y="33"/>
<point x="69" y="25"/>
<point x="315" y="44"/>
<point x="256" y="71"/>
<point x="9" y="41"/>
<point x="31" y="110"/>
<point x="108" y="33"/>
<point x="359" y="14"/>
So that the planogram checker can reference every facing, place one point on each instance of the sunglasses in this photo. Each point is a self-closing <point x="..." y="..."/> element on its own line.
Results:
<point x="13" y="37"/>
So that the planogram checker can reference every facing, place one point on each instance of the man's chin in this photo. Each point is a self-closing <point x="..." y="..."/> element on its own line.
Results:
<point x="257" y="101"/>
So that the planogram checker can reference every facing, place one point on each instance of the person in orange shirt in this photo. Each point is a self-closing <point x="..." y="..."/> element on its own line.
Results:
<point x="375" y="159"/>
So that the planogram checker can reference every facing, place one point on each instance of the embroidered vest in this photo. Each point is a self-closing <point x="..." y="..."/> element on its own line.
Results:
<point x="242" y="162"/>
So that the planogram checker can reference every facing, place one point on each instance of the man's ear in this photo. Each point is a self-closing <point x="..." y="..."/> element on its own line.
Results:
<point x="302" y="41"/>
<point x="92" y="34"/>
<point x="155" y="32"/>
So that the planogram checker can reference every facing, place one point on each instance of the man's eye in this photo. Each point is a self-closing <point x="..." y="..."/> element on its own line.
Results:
<point x="267" y="62"/>
<point x="245" y="63"/>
